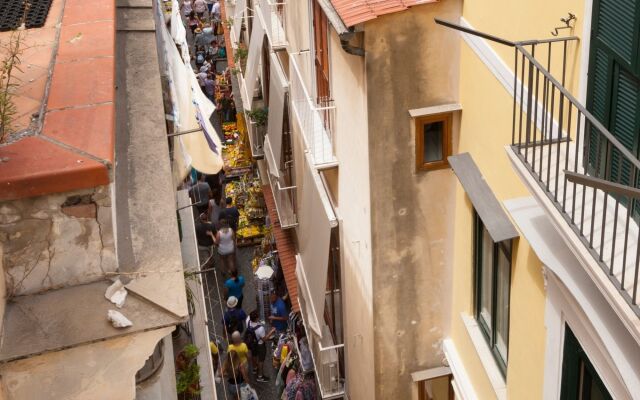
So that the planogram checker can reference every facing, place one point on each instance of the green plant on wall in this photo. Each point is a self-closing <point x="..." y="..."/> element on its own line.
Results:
<point x="240" y="55"/>
<point x="228" y="23"/>
<point x="12" y="50"/>
<point x="188" y="373"/>
<point x="260" y="116"/>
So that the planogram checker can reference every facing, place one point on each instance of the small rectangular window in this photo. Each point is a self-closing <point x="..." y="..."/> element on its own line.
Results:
<point x="433" y="141"/>
<point x="492" y="290"/>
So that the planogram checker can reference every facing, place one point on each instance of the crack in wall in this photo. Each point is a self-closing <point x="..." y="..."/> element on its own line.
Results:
<point x="29" y="240"/>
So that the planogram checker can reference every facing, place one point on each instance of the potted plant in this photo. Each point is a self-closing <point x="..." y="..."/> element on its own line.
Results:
<point x="188" y="373"/>
<point x="260" y="116"/>
<point x="240" y="57"/>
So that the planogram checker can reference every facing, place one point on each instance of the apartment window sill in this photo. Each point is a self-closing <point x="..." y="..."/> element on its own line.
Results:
<point x="433" y="110"/>
<point x="486" y="358"/>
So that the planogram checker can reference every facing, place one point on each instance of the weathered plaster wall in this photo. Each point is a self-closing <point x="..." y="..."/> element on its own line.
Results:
<point x="57" y="240"/>
<point x="348" y="89"/>
<point x="103" y="370"/>
<point x="411" y="63"/>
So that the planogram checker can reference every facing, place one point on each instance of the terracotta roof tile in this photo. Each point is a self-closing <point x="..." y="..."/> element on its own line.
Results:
<point x="77" y="150"/>
<point x="355" y="12"/>
<point x="71" y="170"/>
<point x="286" y="249"/>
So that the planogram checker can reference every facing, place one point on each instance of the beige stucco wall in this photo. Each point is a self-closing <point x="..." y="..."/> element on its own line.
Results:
<point x="348" y="89"/>
<point x="411" y="63"/>
<point x="47" y="246"/>
<point x="103" y="370"/>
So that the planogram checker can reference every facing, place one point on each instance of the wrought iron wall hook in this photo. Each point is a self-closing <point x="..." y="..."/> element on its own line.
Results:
<point x="567" y="22"/>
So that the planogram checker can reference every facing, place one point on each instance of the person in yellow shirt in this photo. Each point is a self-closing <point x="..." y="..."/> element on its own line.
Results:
<point x="239" y="347"/>
<point x="214" y="355"/>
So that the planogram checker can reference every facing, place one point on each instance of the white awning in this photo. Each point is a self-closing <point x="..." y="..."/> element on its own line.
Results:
<point x="238" y="16"/>
<point x="278" y="87"/>
<point x="316" y="221"/>
<point x="191" y="110"/>
<point x="253" y="61"/>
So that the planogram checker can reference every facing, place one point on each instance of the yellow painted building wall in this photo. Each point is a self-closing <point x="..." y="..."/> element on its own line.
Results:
<point x="485" y="130"/>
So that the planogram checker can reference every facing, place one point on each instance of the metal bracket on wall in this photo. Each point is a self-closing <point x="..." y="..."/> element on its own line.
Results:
<point x="567" y="22"/>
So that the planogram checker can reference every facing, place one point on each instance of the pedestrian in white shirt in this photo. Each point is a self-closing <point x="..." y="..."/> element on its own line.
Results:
<point x="200" y="7"/>
<point x="187" y="7"/>
<point x="215" y="11"/>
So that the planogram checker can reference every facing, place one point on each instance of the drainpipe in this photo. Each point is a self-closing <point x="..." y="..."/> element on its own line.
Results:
<point x="345" y="39"/>
<point x="345" y="34"/>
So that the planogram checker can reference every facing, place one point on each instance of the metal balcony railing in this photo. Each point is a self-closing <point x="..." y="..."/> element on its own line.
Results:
<point x="328" y="370"/>
<point x="285" y="199"/>
<point x="256" y="138"/>
<point x="273" y="15"/>
<point x="585" y="172"/>
<point x="316" y="121"/>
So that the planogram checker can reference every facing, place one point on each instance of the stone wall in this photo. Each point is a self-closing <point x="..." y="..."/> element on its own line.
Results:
<point x="57" y="240"/>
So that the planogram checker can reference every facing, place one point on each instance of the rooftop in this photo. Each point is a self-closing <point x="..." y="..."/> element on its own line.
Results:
<point x="353" y="12"/>
<point x="64" y="96"/>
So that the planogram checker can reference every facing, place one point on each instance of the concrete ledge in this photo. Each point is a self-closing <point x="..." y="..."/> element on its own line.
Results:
<point x="63" y="318"/>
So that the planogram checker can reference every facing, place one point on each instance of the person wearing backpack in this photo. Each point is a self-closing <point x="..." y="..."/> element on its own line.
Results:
<point x="255" y="338"/>
<point x="234" y="317"/>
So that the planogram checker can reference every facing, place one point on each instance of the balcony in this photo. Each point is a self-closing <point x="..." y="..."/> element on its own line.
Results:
<point x="256" y="134"/>
<point x="316" y="121"/>
<point x="581" y="174"/>
<point x="328" y="360"/>
<point x="284" y="195"/>
<point x="273" y="16"/>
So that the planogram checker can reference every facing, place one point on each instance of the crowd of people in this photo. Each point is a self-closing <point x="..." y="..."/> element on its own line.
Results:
<point x="203" y="18"/>
<point x="248" y="339"/>
<point x="215" y="227"/>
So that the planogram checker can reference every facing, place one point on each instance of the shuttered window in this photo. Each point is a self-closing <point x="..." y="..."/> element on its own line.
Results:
<point x="613" y="94"/>
<point x="320" y="39"/>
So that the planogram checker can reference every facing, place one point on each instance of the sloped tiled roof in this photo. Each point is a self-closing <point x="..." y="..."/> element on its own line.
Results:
<point x="354" y="12"/>
<point x="286" y="249"/>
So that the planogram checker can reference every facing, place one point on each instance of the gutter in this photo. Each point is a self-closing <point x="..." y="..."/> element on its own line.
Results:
<point x="345" y="34"/>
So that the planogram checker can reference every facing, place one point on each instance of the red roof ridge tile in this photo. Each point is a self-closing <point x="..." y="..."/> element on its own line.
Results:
<point x="75" y="148"/>
<point x="353" y="12"/>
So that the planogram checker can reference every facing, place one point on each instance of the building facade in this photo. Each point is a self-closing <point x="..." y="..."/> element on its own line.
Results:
<point x="373" y="263"/>
<point x="549" y="310"/>
<point x="86" y="197"/>
<point x="460" y="184"/>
